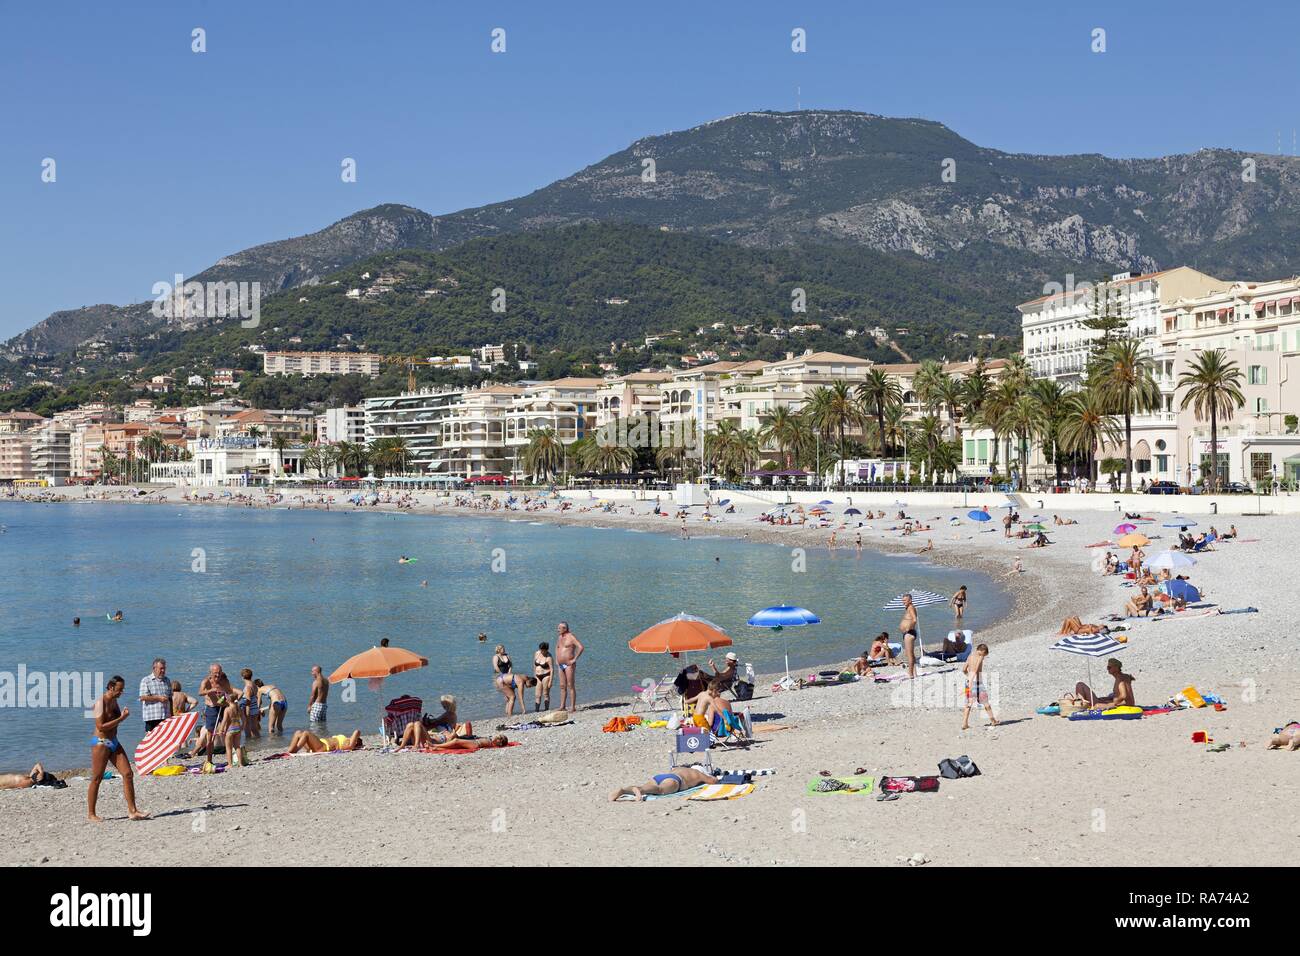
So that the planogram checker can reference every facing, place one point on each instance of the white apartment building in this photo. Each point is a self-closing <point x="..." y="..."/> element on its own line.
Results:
<point x="1054" y="339"/>
<point x="637" y="393"/>
<point x="416" y="417"/>
<point x="341" y="424"/>
<point x="474" y="433"/>
<point x="322" y="363"/>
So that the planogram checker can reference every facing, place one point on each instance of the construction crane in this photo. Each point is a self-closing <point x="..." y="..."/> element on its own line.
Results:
<point x="410" y="361"/>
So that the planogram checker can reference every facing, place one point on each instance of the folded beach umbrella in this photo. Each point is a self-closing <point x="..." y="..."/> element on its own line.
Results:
<point x="979" y="516"/>
<point x="1180" y="524"/>
<point x="781" y="616"/>
<point x="1171" y="561"/>
<point x="163" y="741"/>
<point x="1089" y="646"/>
<point x="1133" y="540"/>
<point x="678" y="635"/>
<point x="1124" y="528"/>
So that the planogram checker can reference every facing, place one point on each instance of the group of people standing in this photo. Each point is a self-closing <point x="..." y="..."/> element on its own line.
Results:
<point x="546" y="667"/>
<point x="228" y="717"/>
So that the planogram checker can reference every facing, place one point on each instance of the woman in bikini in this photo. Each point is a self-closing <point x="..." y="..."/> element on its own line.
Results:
<point x="511" y="684"/>
<point x="229" y="727"/>
<point x="958" y="602"/>
<point x="544" y="671"/>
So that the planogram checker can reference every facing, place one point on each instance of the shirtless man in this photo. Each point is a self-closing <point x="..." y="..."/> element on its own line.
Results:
<point x="681" y="778"/>
<point x="1120" y="696"/>
<point x="567" y="651"/>
<point x="908" y="626"/>
<point x="320" y="691"/>
<point x="216" y="693"/>
<point x="104" y="747"/>
<point x="21" y="781"/>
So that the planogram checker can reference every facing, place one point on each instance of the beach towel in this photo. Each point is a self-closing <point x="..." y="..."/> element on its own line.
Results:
<point x="1115" y="713"/>
<point x="1241" y="610"/>
<point x="619" y="725"/>
<point x="853" y="784"/>
<point x="722" y="791"/>
<point x="909" y="784"/>
<point x="426" y="750"/>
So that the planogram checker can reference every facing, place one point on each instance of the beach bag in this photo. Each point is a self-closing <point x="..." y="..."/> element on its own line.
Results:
<point x="742" y="690"/>
<point x="1070" y="705"/>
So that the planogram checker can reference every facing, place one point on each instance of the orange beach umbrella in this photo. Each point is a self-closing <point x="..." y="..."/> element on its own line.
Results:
<point x="679" y="634"/>
<point x="1133" y="540"/>
<point x="378" y="662"/>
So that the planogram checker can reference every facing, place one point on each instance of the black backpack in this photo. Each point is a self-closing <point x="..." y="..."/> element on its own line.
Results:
<point x="955" y="769"/>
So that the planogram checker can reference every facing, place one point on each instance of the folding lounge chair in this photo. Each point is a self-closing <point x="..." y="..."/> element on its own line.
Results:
<point x="655" y="695"/>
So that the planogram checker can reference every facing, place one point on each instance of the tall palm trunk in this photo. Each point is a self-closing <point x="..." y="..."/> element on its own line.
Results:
<point x="880" y="423"/>
<point x="1128" y="450"/>
<point x="1214" y="448"/>
<point x="843" y="475"/>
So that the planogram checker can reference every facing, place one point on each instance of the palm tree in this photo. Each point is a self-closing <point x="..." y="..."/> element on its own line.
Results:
<point x="878" y="394"/>
<point x="152" y="447"/>
<point x="929" y="383"/>
<point x="927" y="436"/>
<point x="1051" y="399"/>
<point x="280" y="442"/>
<point x="352" y="458"/>
<point x="833" y="410"/>
<point x="951" y="393"/>
<point x="1125" y="376"/>
<point x="545" y="454"/>
<point x="994" y="409"/>
<point x="389" y="454"/>
<point x="1213" y="385"/>
<point x="1086" y="424"/>
<point x="254" y="432"/>
<point x="1022" y="420"/>
<point x="607" y="457"/>
<point x="788" y="432"/>
<point x="731" y="450"/>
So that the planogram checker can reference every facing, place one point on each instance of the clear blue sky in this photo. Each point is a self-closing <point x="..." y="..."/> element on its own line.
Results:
<point x="168" y="159"/>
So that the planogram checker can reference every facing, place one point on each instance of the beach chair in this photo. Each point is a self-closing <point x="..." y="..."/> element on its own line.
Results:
<point x="694" y="743"/>
<point x="655" y="694"/>
<point x="400" y="712"/>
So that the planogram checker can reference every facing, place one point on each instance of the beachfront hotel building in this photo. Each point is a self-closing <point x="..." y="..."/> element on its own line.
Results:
<point x="474" y="433"/>
<point x="1177" y="314"/>
<point x="417" y="418"/>
<point x="638" y="393"/>
<point x="322" y="363"/>
<point x="341" y="424"/>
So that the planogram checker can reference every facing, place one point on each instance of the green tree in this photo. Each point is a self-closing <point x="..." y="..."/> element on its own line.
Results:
<point x="1124" y="375"/>
<point x="832" y="411"/>
<point x="1086" y="425"/>
<point x="879" y="393"/>
<point x="788" y="432"/>
<point x="1212" y="389"/>
<point x="545" y="454"/>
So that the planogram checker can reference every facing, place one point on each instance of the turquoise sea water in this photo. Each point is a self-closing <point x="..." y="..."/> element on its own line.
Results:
<point x="282" y="590"/>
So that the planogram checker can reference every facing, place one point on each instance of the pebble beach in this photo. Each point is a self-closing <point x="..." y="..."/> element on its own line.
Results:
<point x="1051" y="791"/>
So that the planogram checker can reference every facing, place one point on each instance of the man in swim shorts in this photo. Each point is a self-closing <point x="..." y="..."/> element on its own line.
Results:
<point x="977" y="692"/>
<point x="567" y="651"/>
<point x="681" y="778"/>
<point x="104" y="747"/>
<point x="216" y="692"/>
<point x="320" y="691"/>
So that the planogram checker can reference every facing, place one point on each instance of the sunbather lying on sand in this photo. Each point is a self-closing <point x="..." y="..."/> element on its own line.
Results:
<point x="1120" y="696"/>
<point x="305" y="739"/>
<point x="21" y="781"/>
<point x="418" y="735"/>
<point x="1286" y="738"/>
<point x="682" y="778"/>
<point x="472" y="745"/>
<point x="1072" y="625"/>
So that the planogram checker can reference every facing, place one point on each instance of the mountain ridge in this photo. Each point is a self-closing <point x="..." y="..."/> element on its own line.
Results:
<point x="772" y="179"/>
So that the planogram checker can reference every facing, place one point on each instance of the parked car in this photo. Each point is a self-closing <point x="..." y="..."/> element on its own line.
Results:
<point x="1238" y="488"/>
<point x="1163" y="488"/>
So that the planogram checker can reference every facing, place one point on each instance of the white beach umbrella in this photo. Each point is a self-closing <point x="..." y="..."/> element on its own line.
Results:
<point x="920" y="598"/>
<point x="1171" y="560"/>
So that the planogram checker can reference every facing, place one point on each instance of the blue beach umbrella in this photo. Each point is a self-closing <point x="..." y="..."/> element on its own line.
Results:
<point x="979" y="516"/>
<point x="1180" y="524"/>
<point x="852" y="511"/>
<point x="781" y="616"/>
<point x="1181" y="589"/>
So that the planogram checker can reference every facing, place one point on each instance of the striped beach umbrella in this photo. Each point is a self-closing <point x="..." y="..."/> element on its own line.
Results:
<point x="164" y="740"/>
<point x="920" y="598"/>
<point x="1089" y="646"/>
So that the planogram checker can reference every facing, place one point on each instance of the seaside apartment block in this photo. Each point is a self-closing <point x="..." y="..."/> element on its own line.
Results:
<point x="1176" y="314"/>
<point x="322" y="363"/>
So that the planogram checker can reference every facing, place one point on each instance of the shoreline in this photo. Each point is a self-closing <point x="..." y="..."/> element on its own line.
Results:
<point x="1051" y="791"/>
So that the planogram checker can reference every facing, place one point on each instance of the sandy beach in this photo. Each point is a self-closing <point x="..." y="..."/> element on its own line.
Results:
<point x="1051" y="791"/>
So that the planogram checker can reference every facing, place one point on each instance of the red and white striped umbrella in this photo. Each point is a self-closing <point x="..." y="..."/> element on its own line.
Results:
<point x="163" y="741"/>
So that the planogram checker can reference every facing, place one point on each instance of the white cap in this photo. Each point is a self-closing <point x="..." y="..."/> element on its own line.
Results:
<point x="731" y="655"/>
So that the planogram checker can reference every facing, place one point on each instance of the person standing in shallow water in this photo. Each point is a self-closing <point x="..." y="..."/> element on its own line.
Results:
<point x="544" y="671"/>
<point x="104" y="747"/>
<point x="567" y="651"/>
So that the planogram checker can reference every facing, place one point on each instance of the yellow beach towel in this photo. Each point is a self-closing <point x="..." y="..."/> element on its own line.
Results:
<point x="723" y="791"/>
<point x="168" y="771"/>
